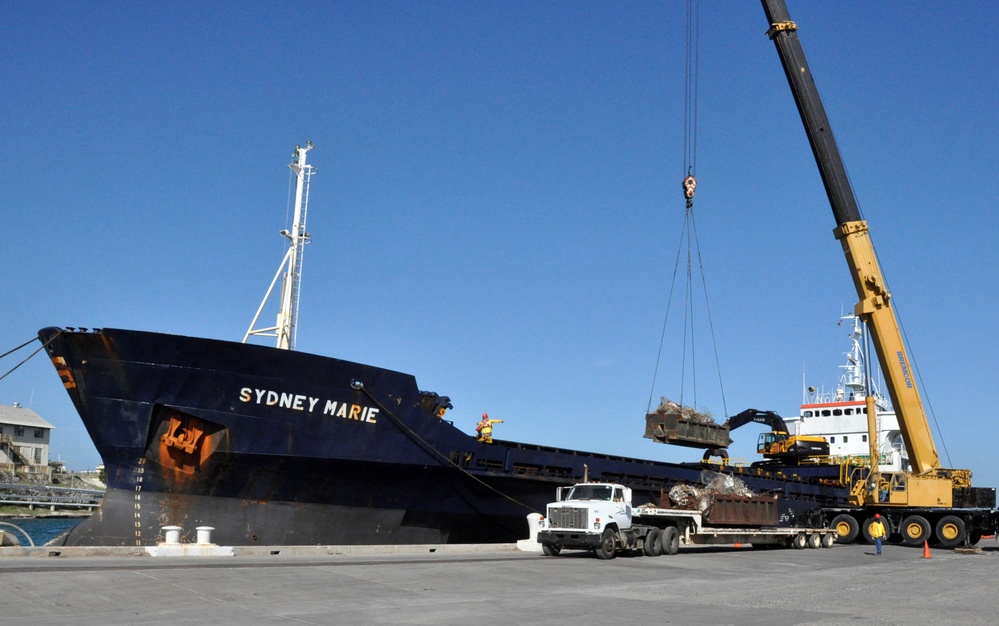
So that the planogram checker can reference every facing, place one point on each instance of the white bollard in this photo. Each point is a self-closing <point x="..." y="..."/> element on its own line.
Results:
<point x="533" y="522"/>
<point x="531" y="544"/>
<point x="205" y="534"/>
<point x="171" y="534"/>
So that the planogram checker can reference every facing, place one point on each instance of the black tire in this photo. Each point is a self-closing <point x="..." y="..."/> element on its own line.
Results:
<point x="814" y="540"/>
<point x="608" y="545"/>
<point x="846" y="528"/>
<point x="550" y="549"/>
<point x="671" y="540"/>
<point x="828" y="540"/>
<point x="950" y="531"/>
<point x="653" y="543"/>
<point x="799" y="541"/>
<point x="915" y="530"/>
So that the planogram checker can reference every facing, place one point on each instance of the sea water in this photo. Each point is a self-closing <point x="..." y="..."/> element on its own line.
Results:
<point x="40" y="529"/>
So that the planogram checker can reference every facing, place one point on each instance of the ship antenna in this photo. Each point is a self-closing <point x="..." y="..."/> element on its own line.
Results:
<point x="290" y="269"/>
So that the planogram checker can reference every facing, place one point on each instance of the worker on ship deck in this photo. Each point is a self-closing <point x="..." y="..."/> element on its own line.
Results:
<point x="485" y="428"/>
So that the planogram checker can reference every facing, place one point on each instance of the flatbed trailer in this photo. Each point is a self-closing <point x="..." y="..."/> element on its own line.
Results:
<point x="692" y="530"/>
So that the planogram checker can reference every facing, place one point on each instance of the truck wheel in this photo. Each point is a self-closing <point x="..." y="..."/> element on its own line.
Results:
<point x="814" y="540"/>
<point x="550" y="549"/>
<point x="653" y="543"/>
<point x="608" y="545"/>
<point x="915" y="530"/>
<point x="846" y="527"/>
<point x="950" y="531"/>
<point x="799" y="542"/>
<point x="671" y="540"/>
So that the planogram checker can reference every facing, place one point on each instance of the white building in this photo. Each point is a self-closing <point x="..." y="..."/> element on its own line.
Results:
<point x="24" y="441"/>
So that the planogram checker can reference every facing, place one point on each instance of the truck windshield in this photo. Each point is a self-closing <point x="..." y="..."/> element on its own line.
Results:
<point x="590" y="492"/>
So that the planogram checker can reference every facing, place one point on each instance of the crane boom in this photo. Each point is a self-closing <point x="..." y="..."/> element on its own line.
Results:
<point x="875" y="305"/>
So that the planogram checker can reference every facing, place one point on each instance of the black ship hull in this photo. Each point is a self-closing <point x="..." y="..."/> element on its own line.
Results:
<point x="274" y="447"/>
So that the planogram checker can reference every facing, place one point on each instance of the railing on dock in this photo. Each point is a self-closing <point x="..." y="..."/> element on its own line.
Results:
<point x="13" y="494"/>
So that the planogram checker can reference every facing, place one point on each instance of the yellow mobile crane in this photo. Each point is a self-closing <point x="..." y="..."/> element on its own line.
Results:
<point x="930" y="502"/>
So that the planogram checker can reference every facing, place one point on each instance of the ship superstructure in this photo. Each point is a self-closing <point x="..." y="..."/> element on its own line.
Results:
<point x="840" y="416"/>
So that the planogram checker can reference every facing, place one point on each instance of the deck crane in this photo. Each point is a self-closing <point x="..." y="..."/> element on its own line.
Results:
<point x="930" y="492"/>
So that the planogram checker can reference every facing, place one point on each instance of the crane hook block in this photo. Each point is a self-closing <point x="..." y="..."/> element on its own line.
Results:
<point x="689" y="185"/>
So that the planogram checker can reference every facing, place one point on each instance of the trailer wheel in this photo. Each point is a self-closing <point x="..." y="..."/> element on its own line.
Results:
<point x="915" y="530"/>
<point x="608" y="545"/>
<point x="653" y="543"/>
<point x="828" y="540"/>
<point x="846" y="527"/>
<point x="671" y="540"/>
<point x="550" y="549"/>
<point x="814" y="540"/>
<point x="950" y="531"/>
<point x="799" y="541"/>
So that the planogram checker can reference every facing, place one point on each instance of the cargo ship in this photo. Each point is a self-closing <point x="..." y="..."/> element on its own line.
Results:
<point x="272" y="446"/>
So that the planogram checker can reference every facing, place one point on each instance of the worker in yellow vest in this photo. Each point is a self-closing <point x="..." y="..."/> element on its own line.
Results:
<point x="485" y="428"/>
<point x="877" y="529"/>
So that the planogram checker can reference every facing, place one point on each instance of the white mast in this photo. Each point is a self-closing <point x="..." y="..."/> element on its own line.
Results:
<point x="287" y="317"/>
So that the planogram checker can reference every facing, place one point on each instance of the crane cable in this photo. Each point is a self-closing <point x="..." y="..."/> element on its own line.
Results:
<point x="689" y="230"/>
<point x="690" y="100"/>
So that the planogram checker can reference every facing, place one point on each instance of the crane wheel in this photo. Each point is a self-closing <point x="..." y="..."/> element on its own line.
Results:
<point x="950" y="531"/>
<point x="846" y="528"/>
<point x="915" y="530"/>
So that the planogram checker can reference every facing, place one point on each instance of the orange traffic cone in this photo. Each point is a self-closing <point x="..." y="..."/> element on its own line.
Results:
<point x="926" y="549"/>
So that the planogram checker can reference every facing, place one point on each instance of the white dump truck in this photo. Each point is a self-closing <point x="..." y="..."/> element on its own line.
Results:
<point x="600" y="517"/>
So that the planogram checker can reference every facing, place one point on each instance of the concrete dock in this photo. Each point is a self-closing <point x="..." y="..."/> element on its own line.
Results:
<point x="439" y="585"/>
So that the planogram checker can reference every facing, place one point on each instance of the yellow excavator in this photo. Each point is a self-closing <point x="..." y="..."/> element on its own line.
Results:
<point x="778" y="444"/>
<point x="930" y="503"/>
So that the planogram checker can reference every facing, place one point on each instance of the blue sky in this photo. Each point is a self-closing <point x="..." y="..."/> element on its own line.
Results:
<point x="497" y="207"/>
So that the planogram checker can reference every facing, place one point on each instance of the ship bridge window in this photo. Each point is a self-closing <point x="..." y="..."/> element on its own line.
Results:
<point x="845" y="438"/>
<point x="848" y="411"/>
<point x="863" y="437"/>
<point x="807" y="414"/>
<point x="837" y="412"/>
<point x="825" y="412"/>
<point x="832" y="439"/>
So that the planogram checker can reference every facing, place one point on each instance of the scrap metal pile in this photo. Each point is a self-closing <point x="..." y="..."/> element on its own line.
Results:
<point x="723" y="500"/>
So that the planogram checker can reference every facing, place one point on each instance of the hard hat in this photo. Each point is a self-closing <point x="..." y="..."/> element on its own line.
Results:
<point x="877" y="516"/>
<point x="485" y="416"/>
